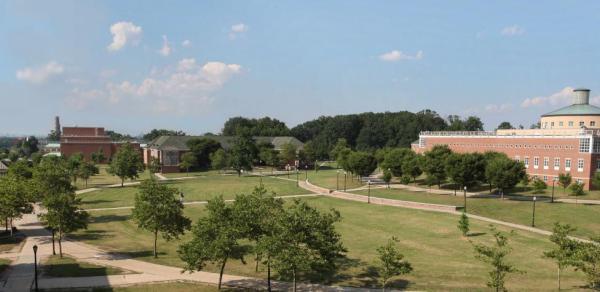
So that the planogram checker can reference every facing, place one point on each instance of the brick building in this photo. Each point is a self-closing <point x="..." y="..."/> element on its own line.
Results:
<point x="168" y="149"/>
<point x="88" y="140"/>
<point x="567" y="142"/>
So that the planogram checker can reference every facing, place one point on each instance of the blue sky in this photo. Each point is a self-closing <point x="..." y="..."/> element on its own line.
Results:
<point x="106" y="63"/>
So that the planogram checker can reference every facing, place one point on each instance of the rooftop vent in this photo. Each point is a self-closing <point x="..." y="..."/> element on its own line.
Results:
<point x="582" y="96"/>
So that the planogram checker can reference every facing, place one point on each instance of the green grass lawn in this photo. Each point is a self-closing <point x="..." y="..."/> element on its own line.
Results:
<point x="197" y="189"/>
<point x="7" y="243"/>
<point x="584" y="217"/>
<point x="329" y="178"/>
<point x="103" y="178"/>
<point x="4" y="263"/>
<point x="69" y="267"/>
<point x="442" y="259"/>
<point x="159" y="287"/>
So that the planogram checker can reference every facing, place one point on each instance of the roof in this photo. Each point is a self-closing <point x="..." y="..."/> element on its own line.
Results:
<point x="3" y="166"/>
<point x="575" y="110"/>
<point x="179" y="143"/>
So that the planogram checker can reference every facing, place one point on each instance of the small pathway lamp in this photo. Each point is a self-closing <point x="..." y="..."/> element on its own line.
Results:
<point x="553" y="182"/>
<point x="306" y="171"/>
<point x="337" y="180"/>
<point x="345" y="177"/>
<point x="35" y="273"/>
<point x="369" y="192"/>
<point x="465" y="199"/>
<point x="297" y="181"/>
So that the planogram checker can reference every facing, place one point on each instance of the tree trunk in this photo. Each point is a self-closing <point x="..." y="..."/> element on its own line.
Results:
<point x="60" y="243"/>
<point x="221" y="272"/>
<point x="86" y="181"/>
<point x="294" y="279"/>
<point x="559" y="278"/>
<point x="122" y="182"/>
<point x="256" y="267"/>
<point x="6" y="224"/>
<point x="53" y="245"/>
<point x="269" y="274"/>
<point x="11" y="227"/>
<point x="155" y="239"/>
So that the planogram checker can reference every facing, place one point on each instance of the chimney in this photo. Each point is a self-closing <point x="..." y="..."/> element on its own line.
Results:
<point x="582" y="96"/>
<point x="57" y="126"/>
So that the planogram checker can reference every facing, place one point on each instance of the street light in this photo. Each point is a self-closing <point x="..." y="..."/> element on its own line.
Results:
<point x="533" y="217"/>
<point x="369" y="193"/>
<point x="35" y="248"/>
<point x="306" y="170"/>
<point x="465" y="203"/>
<point x="297" y="182"/>
<point x="337" y="180"/>
<point x="390" y="172"/>
<point x="553" y="182"/>
<point x="345" y="176"/>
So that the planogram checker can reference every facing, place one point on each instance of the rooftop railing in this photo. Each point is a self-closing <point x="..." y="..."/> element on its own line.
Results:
<point x="516" y="132"/>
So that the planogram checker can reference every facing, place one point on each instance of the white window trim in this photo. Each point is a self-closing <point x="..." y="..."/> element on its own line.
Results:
<point x="579" y="169"/>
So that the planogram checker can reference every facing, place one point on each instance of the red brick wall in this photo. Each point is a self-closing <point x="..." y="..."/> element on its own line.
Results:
<point x="559" y="147"/>
<point x="83" y="131"/>
<point x="109" y="149"/>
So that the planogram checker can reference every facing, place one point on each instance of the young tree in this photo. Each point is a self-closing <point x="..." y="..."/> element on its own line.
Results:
<point x="219" y="160"/>
<point x="64" y="215"/>
<point x="188" y="160"/>
<point x="305" y="241"/>
<point x="15" y="199"/>
<point x="158" y="210"/>
<point x="496" y="256"/>
<point x="504" y="173"/>
<point x="202" y="148"/>
<point x="576" y="189"/>
<point x="564" y="180"/>
<point x="391" y="262"/>
<point x="242" y="153"/>
<point x="505" y="125"/>
<point x="394" y="159"/>
<point x="463" y="224"/>
<point x="98" y="156"/>
<point x="74" y="163"/>
<point x="288" y="153"/>
<point x="387" y="177"/>
<point x="465" y="169"/>
<point x="588" y="261"/>
<point x="361" y="163"/>
<point x="126" y="163"/>
<point x="434" y="163"/>
<point x="86" y="170"/>
<point x="565" y="248"/>
<point x="539" y="186"/>
<point x="215" y="239"/>
<point x="411" y="166"/>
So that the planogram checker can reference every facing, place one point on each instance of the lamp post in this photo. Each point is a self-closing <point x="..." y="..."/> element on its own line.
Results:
<point x="465" y="198"/>
<point x="297" y="182"/>
<point x="316" y="166"/>
<point x="287" y="167"/>
<point x="390" y="171"/>
<point x="533" y="217"/>
<point x="369" y="192"/>
<point x="337" y="180"/>
<point x="345" y="176"/>
<point x="35" y="248"/>
<point x="553" y="182"/>
<point x="306" y="171"/>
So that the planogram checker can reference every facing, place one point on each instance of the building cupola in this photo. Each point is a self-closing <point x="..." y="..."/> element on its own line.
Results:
<point x="581" y="96"/>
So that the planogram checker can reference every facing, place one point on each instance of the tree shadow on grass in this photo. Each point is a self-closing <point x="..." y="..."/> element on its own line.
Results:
<point x="370" y="278"/>
<point x="91" y="202"/>
<point x="109" y="218"/>
<point x="89" y="235"/>
<point x="475" y="234"/>
<point x="343" y="272"/>
<point x="132" y="254"/>
<point x="74" y="270"/>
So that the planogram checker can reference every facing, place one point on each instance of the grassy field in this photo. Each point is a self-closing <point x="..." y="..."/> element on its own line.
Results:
<point x="69" y="267"/>
<point x="103" y="178"/>
<point x="8" y="243"/>
<point x="160" y="287"/>
<point x="328" y="178"/>
<point x="4" y="263"/>
<point x="584" y="217"/>
<point x="197" y="189"/>
<point x="442" y="259"/>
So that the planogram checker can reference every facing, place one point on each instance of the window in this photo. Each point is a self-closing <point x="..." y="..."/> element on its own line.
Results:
<point x="568" y="164"/>
<point x="545" y="178"/>
<point x="546" y="161"/>
<point x="545" y="124"/>
<point x="570" y="123"/>
<point x="581" y="123"/>
<point x="518" y="158"/>
<point x="536" y="162"/>
<point x="560" y="124"/>
<point x="551" y="124"/>
<point x="592" y="123"/>
<point x="584" y="145"/>
<point x="580" y="164"/>
<point x="579" y="181"/>
<point x="171" y="158"/>
<point x="596" y="148"/>
<point x="556" y="163"/>
<point x="598" y="164"/>
<point x="526" y="161"/>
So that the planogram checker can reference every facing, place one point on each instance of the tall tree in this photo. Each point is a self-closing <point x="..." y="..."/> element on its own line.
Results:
<point x="434" y="163"/>
<point x="464" y="170"/>
<point x="188" y="160"/>
<point x="565" y="248"/>
<point x="495" y="256"/>
<point x="411" y="166"/>
<point x="126" y="163"/>
<point x="394" y="158"/>
<point x="64" y="215"/>
<point x="74" y="163"/>
<point x="155" y="133"/>
<point x="202" y="148"/>
<point x="505" y="126"/>
<point x="242" y="153"/>
<point x="564" y="180"/>
<point x="288" y="153"/>
<point x="86" y="170"/>
<point x="255" y="127"/>
<point x="361" y="163"/>
<point x="504" y="173"/>
<point x="15" y="198"/>
<point x="391" y="262"/>
<point x="219" y="160"/>
<point x="588" y="261"/>
<point x="158" y="210"/>
<point x="215" y="238"/>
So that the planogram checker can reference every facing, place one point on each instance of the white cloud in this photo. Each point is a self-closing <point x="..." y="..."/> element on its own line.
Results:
<point x="187" y="89"/>
<point x="563" y="96"/>
<point x="40" y="74"/>
<point x="186" y="43"/>
<point x="396" y="55"/>
<point x="513" y="30"/>
<point x="498" y="108"/>
<point x="237" y="29"/>
<point x="166" y="48"/>
<point x="124" y="32"/>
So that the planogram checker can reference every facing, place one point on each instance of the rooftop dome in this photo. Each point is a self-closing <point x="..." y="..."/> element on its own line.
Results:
<point x="581" y="106"/>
